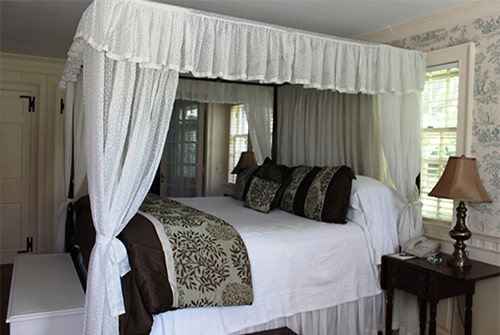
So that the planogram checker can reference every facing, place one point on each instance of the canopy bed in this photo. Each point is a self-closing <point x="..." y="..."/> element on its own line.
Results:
<point x="122" y="77"/>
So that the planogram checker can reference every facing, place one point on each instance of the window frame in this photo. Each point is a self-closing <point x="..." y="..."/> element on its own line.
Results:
<point x="463" y="55"/>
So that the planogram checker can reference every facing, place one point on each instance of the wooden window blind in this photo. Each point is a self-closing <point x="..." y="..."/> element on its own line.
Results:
<point x="238" y="137"/>
<point x="439" y="135"/>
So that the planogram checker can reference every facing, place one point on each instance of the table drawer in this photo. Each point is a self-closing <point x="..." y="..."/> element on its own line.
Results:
<point x="411" y="280"/>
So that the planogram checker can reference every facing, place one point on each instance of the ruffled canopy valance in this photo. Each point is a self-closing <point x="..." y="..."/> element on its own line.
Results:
<point x="208" y="45"/>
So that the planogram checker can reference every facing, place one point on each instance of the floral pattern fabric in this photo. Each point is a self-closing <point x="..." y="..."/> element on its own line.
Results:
<point x="316" y="195"/>
<point x="261" y="194"/>
<point x="298" y="175"/>
<point x="242" y="183"/>
<point x="211" y="261"/>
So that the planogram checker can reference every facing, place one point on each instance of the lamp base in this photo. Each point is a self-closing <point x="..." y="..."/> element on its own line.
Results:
<point x="460" y="233"/>
<point x="459" y="261"/>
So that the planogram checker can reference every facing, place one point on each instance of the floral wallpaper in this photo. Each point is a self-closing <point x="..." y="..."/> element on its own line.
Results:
<point x="484" y="32"/>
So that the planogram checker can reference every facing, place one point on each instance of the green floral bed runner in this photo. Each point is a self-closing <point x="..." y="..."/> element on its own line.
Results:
<point x="211" y="262"/>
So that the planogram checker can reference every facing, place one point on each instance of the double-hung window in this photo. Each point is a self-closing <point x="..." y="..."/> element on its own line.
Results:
<point x="446" y="122"/>
<point x="238" y="138"/>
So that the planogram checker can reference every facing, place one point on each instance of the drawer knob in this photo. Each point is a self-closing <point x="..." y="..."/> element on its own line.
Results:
<point x="394" y="280"/>
<point x="422" y="277"/>
<point x="422" y="290"/>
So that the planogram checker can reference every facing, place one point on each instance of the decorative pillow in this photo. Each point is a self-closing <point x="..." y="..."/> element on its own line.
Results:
<point x="278" y="173"/>
<point x="322" y="194"/>
<point x="243" y="182"/>
<point x="261" y="194"/>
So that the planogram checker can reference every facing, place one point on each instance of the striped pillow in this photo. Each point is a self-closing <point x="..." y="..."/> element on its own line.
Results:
<point x="321" y="194"/>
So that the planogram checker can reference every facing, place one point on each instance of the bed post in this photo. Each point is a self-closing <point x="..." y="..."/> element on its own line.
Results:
<point x="274" y="144"/>
<point x="69" y="228"/>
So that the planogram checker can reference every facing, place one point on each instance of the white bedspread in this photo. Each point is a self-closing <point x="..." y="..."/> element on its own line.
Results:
<point x="298" y="265"/>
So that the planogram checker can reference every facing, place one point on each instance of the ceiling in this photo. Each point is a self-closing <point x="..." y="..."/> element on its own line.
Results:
<point x="46" y="28"/>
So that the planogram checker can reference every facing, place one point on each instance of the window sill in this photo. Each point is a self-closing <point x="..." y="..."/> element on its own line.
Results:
<point x="481" y="247"/>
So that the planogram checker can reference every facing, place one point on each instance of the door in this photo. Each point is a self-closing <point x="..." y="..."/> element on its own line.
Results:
<point x="182" y="162"/>
<point x="18" y="168"/>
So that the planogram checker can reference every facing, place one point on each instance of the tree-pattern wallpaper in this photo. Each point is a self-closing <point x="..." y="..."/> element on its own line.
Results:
<point x="484" y="32"/>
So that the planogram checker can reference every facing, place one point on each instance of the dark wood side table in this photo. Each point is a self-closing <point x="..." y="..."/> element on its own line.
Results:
<point x="431" y="283"/>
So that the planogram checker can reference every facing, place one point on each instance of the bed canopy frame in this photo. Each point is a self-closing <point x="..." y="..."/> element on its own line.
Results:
<point x="130" y="54"/>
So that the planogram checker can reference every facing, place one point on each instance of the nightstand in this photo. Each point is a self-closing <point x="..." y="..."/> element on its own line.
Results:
<point x="431" y="283"/>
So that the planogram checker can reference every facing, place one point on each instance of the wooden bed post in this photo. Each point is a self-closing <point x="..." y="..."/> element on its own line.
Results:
<point x="274" y="144"/>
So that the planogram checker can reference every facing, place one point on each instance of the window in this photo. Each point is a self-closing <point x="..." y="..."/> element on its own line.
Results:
<point x="446" y="128"/>
<point x="439" y="135"/>
<point x="238" y="138"/>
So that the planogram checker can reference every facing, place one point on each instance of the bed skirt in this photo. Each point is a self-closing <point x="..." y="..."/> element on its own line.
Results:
<point x="363" y="317"/>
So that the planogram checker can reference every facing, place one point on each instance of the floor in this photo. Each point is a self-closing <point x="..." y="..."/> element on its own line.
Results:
<point x="5" y="277"/>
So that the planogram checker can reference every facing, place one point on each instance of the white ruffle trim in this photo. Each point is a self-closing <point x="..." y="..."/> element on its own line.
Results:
<point x="208" y="45"/>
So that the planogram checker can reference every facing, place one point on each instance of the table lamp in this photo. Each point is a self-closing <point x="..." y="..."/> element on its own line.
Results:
<point x="460" y="181"/>
<point x="247" y="159"/>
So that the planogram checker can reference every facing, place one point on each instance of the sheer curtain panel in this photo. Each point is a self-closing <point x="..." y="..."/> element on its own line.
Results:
<point x="127" y="114"/>
<point x="328" y="128"/>
<point x="401" y="144"/>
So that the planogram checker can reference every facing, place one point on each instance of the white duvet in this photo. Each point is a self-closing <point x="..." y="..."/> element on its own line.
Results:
<point x="298" y="265"/>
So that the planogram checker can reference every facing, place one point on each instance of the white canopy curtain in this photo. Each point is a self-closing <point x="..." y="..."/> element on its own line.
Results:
<point x="329" y="128"/>
<point x="401" y="142"/>
<point x="258" y="99"/>
<point x="132" y="52"/>
<point x="127" y="114"/>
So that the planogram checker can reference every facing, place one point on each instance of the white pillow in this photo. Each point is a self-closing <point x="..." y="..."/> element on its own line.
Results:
<point x="376" y="207"/>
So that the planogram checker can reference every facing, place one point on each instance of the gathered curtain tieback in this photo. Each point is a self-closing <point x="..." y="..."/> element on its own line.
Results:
<point x="118" y="252"/>
<point x="412" y="204"/>
<point x="117" y="266"/>
<point x="411" y="210"/>
<point x="64" y="205"/>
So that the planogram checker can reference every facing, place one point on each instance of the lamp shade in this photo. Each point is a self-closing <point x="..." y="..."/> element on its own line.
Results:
<point x="460" y="181"/>
<point x="247" y="159"/>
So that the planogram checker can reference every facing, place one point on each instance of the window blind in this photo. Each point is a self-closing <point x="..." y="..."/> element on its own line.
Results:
<point x="238" y="137"/>
<point x="439" y="135"/>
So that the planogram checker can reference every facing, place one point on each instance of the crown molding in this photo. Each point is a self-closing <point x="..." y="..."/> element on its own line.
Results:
<point x="469" y="10"/>
<point x="27" y="63"/>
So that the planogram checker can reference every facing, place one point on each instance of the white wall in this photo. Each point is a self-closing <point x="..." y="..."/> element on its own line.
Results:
<point x="44" y="73"/>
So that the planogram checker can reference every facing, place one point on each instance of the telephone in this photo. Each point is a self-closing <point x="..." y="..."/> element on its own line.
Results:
<point x="421" y="247"/>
